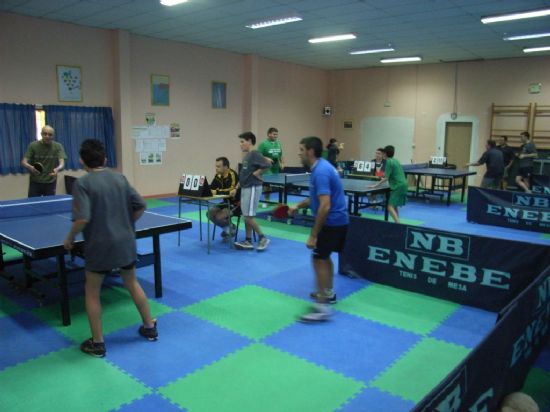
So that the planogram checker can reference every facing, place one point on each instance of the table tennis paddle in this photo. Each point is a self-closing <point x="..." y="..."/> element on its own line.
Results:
<point x="280" y="211"/>
<point x="38" y="166"/>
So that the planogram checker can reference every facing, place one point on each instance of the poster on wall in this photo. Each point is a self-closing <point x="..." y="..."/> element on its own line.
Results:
<point x="175" y="131"/>
<point x="69" y="83"/>
<point x="160" y="90"/>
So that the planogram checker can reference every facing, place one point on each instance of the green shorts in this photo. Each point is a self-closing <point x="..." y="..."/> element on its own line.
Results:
<point x="398" y="196"/>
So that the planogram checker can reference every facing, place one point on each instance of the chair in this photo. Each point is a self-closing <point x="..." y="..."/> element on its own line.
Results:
<point x="236" y="212"/>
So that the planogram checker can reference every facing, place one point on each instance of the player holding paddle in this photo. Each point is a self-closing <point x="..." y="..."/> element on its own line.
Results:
<point x="328" y="234"/>
<point x="44" y="158"/>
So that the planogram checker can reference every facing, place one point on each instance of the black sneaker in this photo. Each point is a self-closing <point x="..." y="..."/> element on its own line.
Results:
<point x="94" y="349"/>
<point x="330" y="299"/>
<point x="149" y="333"/>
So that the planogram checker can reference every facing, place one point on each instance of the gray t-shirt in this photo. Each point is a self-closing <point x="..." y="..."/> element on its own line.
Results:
<point x="107" y="202"/>
<point x="252" y="162"/>
<point x="527" y="148"/>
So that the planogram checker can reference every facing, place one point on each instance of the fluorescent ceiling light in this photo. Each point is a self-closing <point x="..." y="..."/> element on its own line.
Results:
<point x="274" y="22"/>
<point x="536" y="49"/>
<point x="172" y="2"/>
<point x="370" y="51"/>
<point x="526" y="36"/>
<point x="401" y="60"/>
<point x="338" y="37"/>
<point x="516" y="16"/>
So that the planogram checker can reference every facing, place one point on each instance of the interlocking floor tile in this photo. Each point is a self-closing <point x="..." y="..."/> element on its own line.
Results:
<point x="67" y="381"/>
<point x="374" y="346"/>
<point x="398" y="308"/>
<point x="421" y="369"/>
<point x="25" y="337"/>
<point x="119" y="312"/>
<point x="260" y="378"/>
<point x="185" y="344"/>
<point x="250" y="311"/>
<point x="373" y="400"/>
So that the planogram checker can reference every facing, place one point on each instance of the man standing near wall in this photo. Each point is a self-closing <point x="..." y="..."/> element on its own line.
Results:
<point x="44" y="159"/>
<point x="272" y="149"/>
<point x="527" y="153"/>
<point x="509" y="156"/>
<point x="494" y="159"/>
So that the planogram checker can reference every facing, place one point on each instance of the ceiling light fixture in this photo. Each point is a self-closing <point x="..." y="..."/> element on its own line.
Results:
<point x="536" y="49"/>
<point x="371" y="51"/>
<point x="402" y="60"/>
<point x="526" y="36"/>
<point x="172" y="2"/>
<point x="337" y="37"/>
<point x="274" y="22"/>
<point x="516" y="16"/>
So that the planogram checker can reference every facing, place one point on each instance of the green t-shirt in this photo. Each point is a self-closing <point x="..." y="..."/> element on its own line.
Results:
<point x="48" y="155"/>
<point x="395" y="174"/>
<point x="272" y="150"/>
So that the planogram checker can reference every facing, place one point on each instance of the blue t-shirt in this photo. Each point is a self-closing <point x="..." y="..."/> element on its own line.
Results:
<point x="326" y="181"/>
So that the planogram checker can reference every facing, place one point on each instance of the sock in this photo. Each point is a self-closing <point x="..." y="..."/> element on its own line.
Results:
<point x="249" y="239"/>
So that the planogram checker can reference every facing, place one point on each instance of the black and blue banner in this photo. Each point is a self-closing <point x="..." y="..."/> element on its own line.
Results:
<point x="518" y="210"/>
<point x="540" y="184"/>
<point x="472" y="270"/>
<point x="499" y="364"/>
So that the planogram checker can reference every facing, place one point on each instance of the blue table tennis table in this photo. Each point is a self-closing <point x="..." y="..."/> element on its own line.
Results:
<point x="37" y="227"/>
<point x="443" y="181"/>
<point x="355" y="189"/>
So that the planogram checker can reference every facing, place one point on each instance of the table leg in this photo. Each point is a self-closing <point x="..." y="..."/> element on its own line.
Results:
<point x="63" y="290"/>
<point x="157" y="266"/>
<point x="463" y="189"/>
<point x="449" y="191"/>
<point x="179" y="216"/>
<point x="200" y="220"/>
<point x="207" y="227"/>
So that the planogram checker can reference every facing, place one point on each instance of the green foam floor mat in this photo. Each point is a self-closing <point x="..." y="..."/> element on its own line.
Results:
<point x="398" y="308"/>
<point x="261" y="378"/>
<point x="67" y="381"/>
<point x="251" y="311"/>
<point x="119" y="312"/>
<point x="431" y="359"/>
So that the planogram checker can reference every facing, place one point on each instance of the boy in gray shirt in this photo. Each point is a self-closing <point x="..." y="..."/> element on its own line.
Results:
<point x="250" y="182"/>
<point x="105" y="208"/>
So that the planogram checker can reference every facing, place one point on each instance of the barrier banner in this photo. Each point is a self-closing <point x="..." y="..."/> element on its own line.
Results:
<point x="540" y="184"/>
<point x="472" y="270"/>
<point x="518" y="210"/>
<point x="499" y="364"/>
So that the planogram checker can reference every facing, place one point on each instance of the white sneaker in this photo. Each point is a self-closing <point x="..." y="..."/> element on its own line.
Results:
<point x="262" y="244"/>
<point x="244" y="245"/>
<point x="319" y="313"/>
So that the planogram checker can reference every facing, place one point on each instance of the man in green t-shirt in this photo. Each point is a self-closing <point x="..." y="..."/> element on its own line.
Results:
<point x="44" y="159"/>
<point x="271" y="149"/>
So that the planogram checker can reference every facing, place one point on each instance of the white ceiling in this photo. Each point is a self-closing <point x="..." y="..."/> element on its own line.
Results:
<point x="437" y="30"/>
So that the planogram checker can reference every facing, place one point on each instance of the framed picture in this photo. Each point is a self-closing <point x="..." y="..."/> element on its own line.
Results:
<point x="160" y="90"/>
<point x="69" y="83"/>
<point x="219" y="95"/>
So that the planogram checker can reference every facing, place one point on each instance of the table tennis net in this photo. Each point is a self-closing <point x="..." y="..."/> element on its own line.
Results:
<point x="26" y="208"/>
<point x="297" y="178"/>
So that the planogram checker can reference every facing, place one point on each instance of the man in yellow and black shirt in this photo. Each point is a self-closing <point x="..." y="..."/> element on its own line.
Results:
<point x="224" y="182"/>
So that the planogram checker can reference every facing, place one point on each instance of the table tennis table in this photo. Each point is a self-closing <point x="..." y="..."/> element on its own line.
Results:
<point x="355" y="189"/>
<point x="37" y="227"/>
<point x="452" y="180"/>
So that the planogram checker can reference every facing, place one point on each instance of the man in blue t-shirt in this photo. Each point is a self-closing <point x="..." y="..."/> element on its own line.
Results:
<point x="328" y="234"/>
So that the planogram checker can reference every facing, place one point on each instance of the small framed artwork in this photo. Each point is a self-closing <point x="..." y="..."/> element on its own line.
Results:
<point x="160" y="90"/>
<point x="348" y="124"/>
<point x="69" y="83"/>
<point x="219" y="95"/>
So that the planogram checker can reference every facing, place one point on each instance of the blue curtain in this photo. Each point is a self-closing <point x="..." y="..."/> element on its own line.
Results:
<point x="17" y="130"/>
<point x="74" y="124"/>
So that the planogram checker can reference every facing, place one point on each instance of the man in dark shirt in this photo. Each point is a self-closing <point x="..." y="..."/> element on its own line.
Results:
<point x="223" y="183"/>
<point x="509" y="156"/>
<point x="494" y="160"/>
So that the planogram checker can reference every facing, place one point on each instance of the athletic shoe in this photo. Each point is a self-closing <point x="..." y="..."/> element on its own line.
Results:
<point x="244" y="245"/>
<point x="330" y="299"/>
<point x="93" y="349"/>
<point x="262" y="244"/>
<point x="149" y="333"/>
<point x="319" y="313"/>
<point x="230" y="233"/>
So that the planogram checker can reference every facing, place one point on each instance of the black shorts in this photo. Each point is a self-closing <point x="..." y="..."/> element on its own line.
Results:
<point x="525" y="172"/>
<point x="330" y="239"/>
<point x="107" y="272"/>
